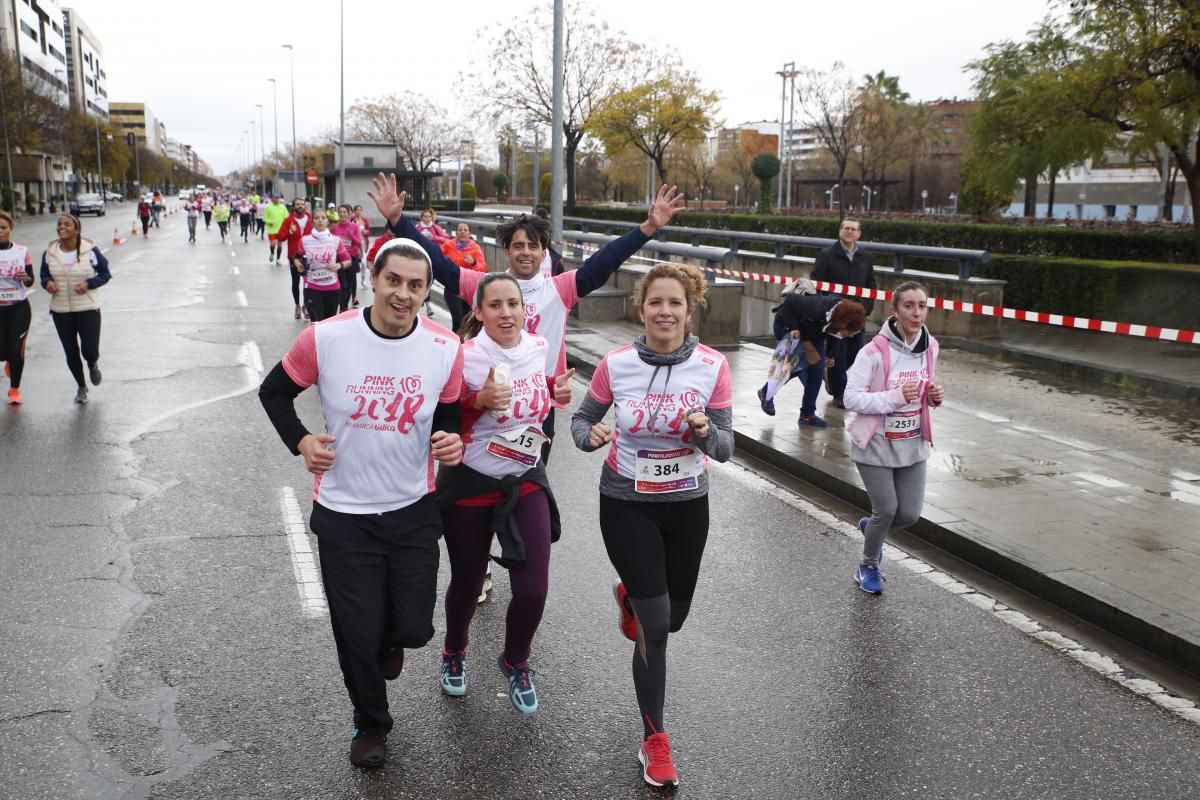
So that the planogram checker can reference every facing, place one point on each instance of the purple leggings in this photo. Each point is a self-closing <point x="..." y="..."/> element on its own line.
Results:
<point x="468" y="541"/>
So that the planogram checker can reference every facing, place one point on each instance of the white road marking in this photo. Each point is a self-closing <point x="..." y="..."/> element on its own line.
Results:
<point x="251" y="356"/>
<point x="1097" y="662"/>
<point x="240" y="296"/>
<point x="304" y="564"/>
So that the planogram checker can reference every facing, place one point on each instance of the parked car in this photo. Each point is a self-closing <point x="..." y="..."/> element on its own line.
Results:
<point x="113" y="197"/>
<point x="87" y="204"/>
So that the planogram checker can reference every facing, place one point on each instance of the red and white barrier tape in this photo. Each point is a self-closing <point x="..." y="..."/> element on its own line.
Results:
<point x="1041" y="317"/>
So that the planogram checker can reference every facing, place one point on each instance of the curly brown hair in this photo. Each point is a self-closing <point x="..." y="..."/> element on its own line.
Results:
<point x="690" y="278"/>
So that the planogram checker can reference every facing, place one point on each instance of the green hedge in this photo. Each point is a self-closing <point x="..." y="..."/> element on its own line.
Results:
<point x="1083" y="243"/>
<point x="1147" y="294"/>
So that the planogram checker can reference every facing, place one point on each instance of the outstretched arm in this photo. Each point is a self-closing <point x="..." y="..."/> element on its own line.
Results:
<point x="596" y="271"/>
<point x="391" y="205"/>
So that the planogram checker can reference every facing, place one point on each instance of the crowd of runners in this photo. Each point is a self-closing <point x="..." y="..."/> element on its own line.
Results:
<point x="430" y="432"/>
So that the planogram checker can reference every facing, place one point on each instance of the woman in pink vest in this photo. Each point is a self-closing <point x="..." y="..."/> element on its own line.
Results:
<point x="891" y="388"/>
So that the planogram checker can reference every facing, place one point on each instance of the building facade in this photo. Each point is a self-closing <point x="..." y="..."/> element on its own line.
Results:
<point x="138" y="119"/>
<point x="87" y="81"/>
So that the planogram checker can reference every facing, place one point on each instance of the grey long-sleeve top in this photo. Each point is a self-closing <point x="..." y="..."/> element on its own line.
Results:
<point x="718" y="445"/>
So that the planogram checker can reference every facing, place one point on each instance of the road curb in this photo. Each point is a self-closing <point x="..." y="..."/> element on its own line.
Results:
<point x="1153" y="638"/>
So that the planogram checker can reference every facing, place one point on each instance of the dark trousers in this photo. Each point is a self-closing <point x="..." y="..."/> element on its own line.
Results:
<point x="321" y="305"/>
<point x="14" y="327"/>
<point x="79" y="332"/>
<point x="260" y="226"/>
<point x="468" y="540"/>
<point x="347" y="284"/>
<point x="145" y="225"/>
<point x="380" y="578"/>
<point x="244" y="221"/>
<point x="295" y="282"/>
<point x="207" y="219"/>
<point x="843" y="358"/>
<point x="458" y="310"/>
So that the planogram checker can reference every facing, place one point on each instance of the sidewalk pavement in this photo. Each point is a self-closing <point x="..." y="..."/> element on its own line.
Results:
<point x="1109" y="536"/>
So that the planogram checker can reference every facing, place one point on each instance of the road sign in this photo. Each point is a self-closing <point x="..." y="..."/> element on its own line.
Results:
<point x="311" y="176"/>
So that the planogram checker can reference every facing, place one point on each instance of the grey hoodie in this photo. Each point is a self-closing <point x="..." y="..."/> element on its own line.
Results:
<point x="895" y="453"/>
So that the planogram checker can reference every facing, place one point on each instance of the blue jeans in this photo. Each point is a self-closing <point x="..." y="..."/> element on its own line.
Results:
<point x="809" y="374"/>
<point x="843" y="357"/>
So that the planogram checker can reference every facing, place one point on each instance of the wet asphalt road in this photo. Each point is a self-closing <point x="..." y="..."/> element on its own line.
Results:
<point x="154" y="645"/>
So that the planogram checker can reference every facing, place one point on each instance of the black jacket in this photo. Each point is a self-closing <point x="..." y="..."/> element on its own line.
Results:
<point x="806" y="313"/>
<point x="834" y="267"/>
<point x="461" y="482"/>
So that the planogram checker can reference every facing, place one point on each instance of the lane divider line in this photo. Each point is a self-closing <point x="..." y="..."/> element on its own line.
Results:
<point x="304" y="563"/>
<point x="240" y="297"/>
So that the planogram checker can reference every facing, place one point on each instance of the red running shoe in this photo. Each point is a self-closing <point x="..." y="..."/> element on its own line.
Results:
<point x="658" y="768"/>
<point x="628" y="621"/>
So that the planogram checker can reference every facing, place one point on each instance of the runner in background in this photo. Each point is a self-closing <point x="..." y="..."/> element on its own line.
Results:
<point x="319" y="257"/>
<point x="221" y="215"/>
<point x="891" y="388"/>
<point x="206" y="208"/>
<point x="273" y="216"/>
<point x="467" y="254"/>
<point x="389" y="383"/>
<point x="349" y="232"/>
<point x="143" y="214"/>
<point x="192" y="210"/>
<point x="73" y="270"/>
<point x="260" y="206"/>
<point x="365" y="225"/>
<point x="295" y="226"/>
<point x="16" y="275"/>
<point x="674" y="410"/>
<point x="245" y="217"/>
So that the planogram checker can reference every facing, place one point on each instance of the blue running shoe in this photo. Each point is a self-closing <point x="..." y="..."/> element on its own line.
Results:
<point x="869" y="579"/>
<point x="521" y="692"/>
<point x="768" y="406"/>
<point x="454" y="673"/>
<point x="812" y="422"/>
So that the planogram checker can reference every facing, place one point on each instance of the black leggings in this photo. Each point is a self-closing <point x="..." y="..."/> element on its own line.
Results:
<point x="347" y="284"/>
<point x="656" y="548"/>
<point x="79" y="331"/>
<point x="295" y="282"/>
<point x="145" y="225"/>
<point x="14" y="327"/>
<point x="321" y="305"/>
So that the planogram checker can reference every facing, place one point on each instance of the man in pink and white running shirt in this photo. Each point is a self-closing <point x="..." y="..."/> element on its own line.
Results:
<point x="389" y="383"/>
<point x="525" y="239"/>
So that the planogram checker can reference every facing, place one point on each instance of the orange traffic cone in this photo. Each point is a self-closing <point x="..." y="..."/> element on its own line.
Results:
<point x="133" y="228"/>
<point x="116" y="237"/>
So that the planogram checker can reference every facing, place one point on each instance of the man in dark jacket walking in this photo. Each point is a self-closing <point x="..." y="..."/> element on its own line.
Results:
<point x="844" y="262"/>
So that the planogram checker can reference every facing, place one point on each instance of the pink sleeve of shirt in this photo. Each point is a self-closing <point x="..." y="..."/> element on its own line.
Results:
<point x="343" y="254"/>
<point x="600" y="388"/>
<point x="28" y="258"/>
<point x="454" y="383"/>
<point x="468" y="282"/>
<point x="300" y="363"/>
<point x="568" y="288"/>
<point x="722" y="396"/>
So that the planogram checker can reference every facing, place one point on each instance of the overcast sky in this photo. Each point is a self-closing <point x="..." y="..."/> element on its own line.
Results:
<point x="202" y="66"/>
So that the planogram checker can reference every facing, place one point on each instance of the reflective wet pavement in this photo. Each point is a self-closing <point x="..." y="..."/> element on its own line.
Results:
<point x="1080" y="493"/>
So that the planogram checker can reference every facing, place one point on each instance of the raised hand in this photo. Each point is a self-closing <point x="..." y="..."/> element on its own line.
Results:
<point x="562" y="387"/>
<point x="493" y="396"/>
<point x="669" y="202"/>
<point x="387" y="200"/>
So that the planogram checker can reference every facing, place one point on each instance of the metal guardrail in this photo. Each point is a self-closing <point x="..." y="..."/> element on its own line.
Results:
<point x="712" y="256"/>
<point x="898" y="252"/>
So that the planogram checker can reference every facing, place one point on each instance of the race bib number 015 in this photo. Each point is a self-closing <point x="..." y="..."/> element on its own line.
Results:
<point x="663" y="471"/>
<point x="523" y="445"/>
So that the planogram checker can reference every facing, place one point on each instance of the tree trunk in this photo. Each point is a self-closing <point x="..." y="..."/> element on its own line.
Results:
<point x="1050" y="196"/>
<point x="1168" y="212"/>
<point x="1193" y="184"/>
<point x="912" y="185"/>
<point x="1031" y="196"/>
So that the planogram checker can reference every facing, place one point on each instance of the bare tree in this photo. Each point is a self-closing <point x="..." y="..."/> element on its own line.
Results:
<point x="516" y="75"/>
<point x="830" y="104"/>
<point x="414" y="125"/>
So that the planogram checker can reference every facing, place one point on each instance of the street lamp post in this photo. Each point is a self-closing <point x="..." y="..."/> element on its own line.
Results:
<point x="99" y="164"/>
<point x="295" y="152"/>
<point x="924" y="206"/>
<point x="831" y="191"/>
<point x="870" y="194"/>
<point x="262" y="155"/>
<point x="131" y="138"/>
<point x="537" y="160"/>
<point x="954" y="201"/>
<point x="254" y="172"/>
<point x="342" y="103"/>
<point x="736" y="187"/>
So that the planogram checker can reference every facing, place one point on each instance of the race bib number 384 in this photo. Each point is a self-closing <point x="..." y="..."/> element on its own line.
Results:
<point x="662" y="471"/>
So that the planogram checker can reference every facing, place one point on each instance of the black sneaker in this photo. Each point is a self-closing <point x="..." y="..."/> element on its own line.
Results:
<point x="368" y="750"/>
<point x="94" y="374"/>
<point x="393" y="662"/>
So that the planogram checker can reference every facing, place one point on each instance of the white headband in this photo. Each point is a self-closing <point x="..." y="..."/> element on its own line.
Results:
<point x="391" y="243"/>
